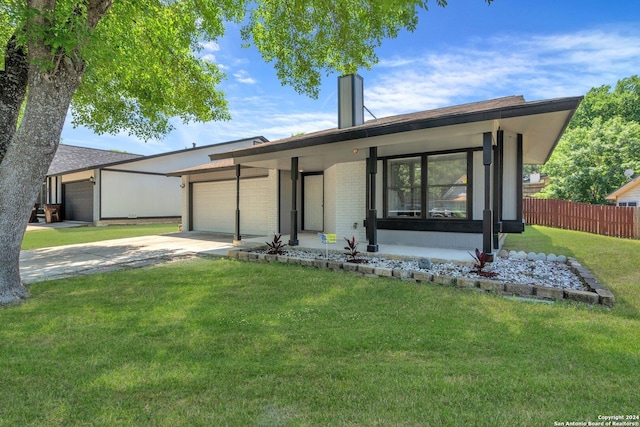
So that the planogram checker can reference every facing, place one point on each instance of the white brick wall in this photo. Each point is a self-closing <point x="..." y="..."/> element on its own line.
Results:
<point x="272" y="203"/>
<point x="350" y="194"/>
<point x="330" y="200"/>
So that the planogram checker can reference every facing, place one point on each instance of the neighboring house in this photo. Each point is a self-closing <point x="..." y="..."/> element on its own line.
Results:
<point x="628" y="194"/>
<point x="534" y="184"/>
<point x="101" y="186"/>
<point x="450" y="177"/>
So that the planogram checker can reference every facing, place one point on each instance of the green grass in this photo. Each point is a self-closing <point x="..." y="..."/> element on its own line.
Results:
<point x="69" y="236"/>
<point x="220" y="342"/>
<point x="613" y="261"/>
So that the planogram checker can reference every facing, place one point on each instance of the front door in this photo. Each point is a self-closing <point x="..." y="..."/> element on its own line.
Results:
<point x="313" y="195"/>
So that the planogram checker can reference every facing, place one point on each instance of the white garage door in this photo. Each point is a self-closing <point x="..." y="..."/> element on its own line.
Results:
<point x="214" y="206"/>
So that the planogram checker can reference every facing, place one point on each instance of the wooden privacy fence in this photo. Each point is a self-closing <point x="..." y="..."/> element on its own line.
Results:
<point x="606" y="220"/>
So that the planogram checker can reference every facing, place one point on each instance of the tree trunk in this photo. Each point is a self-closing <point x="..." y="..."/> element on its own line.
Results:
<point x="13" y="86"/>
<point x="26" y="162"/>
<point x="33" y="145"/>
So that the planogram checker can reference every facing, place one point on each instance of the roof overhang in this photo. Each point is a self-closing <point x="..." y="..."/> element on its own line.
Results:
<point x="628" y="186"/>
<point x="541" y="123"/>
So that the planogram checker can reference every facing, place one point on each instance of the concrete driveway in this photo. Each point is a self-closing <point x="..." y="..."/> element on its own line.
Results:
<point x="88" y="258"/>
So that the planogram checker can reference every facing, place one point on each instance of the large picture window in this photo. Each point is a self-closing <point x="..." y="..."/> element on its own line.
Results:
<point x="447" y="185"/>
<point x="404" y="189"/>
<point x="432" y="186"/>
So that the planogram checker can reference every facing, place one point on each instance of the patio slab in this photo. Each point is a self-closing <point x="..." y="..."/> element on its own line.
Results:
<point x="311" y="241"/>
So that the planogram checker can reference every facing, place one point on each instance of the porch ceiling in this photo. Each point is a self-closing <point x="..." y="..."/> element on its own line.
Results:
<point x="540" y="134"/>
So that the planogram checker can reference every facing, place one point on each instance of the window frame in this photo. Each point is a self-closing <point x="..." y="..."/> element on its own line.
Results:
<point x="424" y="188"/>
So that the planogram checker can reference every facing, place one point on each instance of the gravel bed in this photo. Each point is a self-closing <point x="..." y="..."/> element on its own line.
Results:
<point x="553" y="274"/>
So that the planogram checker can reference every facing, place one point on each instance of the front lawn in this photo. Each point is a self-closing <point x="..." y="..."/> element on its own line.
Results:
<point x="613" y="261"/>
<point x="68" y="236"/>
<point x="220" y="342"/>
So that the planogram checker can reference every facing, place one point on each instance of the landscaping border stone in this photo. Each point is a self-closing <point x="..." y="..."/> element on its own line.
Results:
<point x="596" y="293"/>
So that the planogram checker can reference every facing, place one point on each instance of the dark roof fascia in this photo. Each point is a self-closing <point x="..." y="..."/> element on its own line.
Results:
<point x="373" y="130"/>
<point x="184" y="150"/>
<point x="153" y="156"/>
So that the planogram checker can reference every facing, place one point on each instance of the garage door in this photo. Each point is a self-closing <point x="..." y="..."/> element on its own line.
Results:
<point x="214" y="206"/>
<point x="78" y="201"/>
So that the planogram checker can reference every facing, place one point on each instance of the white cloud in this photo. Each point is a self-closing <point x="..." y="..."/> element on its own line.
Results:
<point x="242" y="76"/>
<point x="537" y="67"/>
<point x="209" y="57"/>
<point x="210" y="46"/>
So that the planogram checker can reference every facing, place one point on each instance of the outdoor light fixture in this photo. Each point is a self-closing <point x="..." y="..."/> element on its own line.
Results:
<point x="182" y="185"/>
<point x="92" y="180"/>
<point x="355" y="151"/>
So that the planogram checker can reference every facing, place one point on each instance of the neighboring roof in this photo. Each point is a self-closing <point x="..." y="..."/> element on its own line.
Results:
<point x="71" y="157"/>
<point x="628" y="186"/>
<point x="207" y="167"/>
<point x="75" y="159"/>
<point x="495" y="109"/>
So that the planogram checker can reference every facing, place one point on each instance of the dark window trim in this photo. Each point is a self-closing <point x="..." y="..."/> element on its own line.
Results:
<point x="513" y="226"/>
<point x="425" y="185"/>
<point x="444" y="225"/>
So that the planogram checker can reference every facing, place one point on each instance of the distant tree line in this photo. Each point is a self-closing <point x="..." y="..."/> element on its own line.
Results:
<point x="601" y="142"/>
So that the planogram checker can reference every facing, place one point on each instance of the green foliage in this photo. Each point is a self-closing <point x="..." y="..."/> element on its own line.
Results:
<point x="304" y="39"/>
<point x="71" y="236"/>
<point x="146" y="69"/>
<point x="601" y="142"/>
<point x="590" y="161"/>
<point x="603" y="103"/>
<point x="142" y="65"/>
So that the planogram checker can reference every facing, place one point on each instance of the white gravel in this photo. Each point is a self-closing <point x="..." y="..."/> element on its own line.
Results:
<point x="511" y="269"/>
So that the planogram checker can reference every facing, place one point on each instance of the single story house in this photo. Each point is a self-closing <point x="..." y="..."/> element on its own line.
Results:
<point x="103" y="187"/>
<point x="628" y="194"/>
<point x="449" y="177"/>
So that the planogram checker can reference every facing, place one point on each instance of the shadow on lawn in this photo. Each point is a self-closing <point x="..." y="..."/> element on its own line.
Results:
<point x="534" y="240"/>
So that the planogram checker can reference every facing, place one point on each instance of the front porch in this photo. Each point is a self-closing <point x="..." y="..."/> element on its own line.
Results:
<point x="311" y="241"/>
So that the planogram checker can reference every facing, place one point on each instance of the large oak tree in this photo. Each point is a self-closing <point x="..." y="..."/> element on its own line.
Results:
<point x="132" y="65"/>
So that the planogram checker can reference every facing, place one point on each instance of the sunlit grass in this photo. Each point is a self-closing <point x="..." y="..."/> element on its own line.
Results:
<point x="612" y="260"/>
<point x="69" y="236"/>
<point x="219" y="342"/>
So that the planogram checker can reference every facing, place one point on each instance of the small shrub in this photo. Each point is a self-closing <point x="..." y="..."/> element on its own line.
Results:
<point x="352" y="250"/>
<point x="481" y="261"/>
<point x="276" y="246"/>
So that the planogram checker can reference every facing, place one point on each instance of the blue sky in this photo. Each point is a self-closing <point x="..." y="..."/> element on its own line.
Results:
<point x="466" y="52"/>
